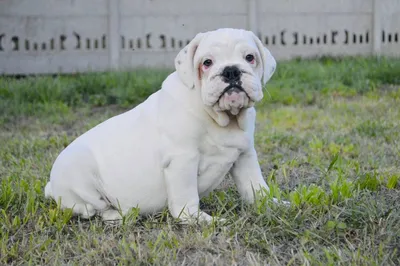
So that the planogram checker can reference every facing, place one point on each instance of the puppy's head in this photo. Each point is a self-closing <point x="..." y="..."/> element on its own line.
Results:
<point x="229" y="66"/>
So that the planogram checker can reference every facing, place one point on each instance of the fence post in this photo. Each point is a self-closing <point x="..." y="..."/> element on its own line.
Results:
<point x="252" y="16"/>
<point x="113" y="33"/>
<point x="376" y="27"/>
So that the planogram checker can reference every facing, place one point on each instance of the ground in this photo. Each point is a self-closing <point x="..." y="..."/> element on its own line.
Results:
<point x="328" y="139"/>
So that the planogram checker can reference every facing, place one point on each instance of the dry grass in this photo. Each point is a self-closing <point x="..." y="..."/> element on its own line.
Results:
<point x="328" y="139"/>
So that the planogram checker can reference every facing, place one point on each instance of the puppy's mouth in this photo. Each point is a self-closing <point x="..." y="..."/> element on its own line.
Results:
<point x="233" y="98"/>
<point x="233" y="87"/>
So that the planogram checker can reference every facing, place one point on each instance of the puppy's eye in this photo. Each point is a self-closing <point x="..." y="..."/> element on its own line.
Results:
<point x="207" y="62"/>
<point x="250" y="58"/>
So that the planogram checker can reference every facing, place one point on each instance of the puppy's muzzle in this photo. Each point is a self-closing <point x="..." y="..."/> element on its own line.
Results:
<point x="232" y="75"/>
<point x="233" y="87"/>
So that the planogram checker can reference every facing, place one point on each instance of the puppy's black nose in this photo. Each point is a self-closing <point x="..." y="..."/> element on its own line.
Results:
<point x="231" y="73"/>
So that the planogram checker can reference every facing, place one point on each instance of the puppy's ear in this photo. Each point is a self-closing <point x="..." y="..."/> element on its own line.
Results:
<point x="184" y="62"/>
<point x="268" y="61"/>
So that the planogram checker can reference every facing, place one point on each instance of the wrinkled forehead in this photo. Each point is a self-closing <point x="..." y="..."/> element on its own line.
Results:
<point x="225" y="42"/>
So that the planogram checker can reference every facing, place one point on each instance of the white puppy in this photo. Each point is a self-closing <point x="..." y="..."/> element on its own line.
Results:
<point x="178" y="145"/>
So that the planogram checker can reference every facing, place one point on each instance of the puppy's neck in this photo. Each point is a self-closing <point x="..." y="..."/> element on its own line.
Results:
<point x="224" y="118"/>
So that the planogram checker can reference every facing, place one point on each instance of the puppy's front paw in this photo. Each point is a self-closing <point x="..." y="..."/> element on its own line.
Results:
<point x="199" y="217"/>
<point x="111" y="216"/>
<point x="282" y="202"/>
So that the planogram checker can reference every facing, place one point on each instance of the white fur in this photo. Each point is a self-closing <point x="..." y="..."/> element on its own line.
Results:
<point x="176" y="146"/>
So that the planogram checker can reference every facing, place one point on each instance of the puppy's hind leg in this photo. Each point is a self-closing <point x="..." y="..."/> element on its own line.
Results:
<point x="73" y="183"/>
<point x="83" y="203"/>
<point x="48" y="192"/>
<point x="85" y="210"/>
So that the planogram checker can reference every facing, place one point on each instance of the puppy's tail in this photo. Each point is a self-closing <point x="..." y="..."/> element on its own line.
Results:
<point x="48" y="193"/>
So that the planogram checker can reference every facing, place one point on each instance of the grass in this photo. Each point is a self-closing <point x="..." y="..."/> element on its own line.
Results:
<point x="328" y="139"/>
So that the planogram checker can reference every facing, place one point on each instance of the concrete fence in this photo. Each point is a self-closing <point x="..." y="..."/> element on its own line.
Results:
<point x="64" y="36"/>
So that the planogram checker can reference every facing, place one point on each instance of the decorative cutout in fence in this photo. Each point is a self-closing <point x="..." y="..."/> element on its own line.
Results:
<point x="54" y="44"/>
<point x="164" y="42"/>
<point x="149" y="42"/>
<point x="387" y="37"/>
<point x="333" y="37"/>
